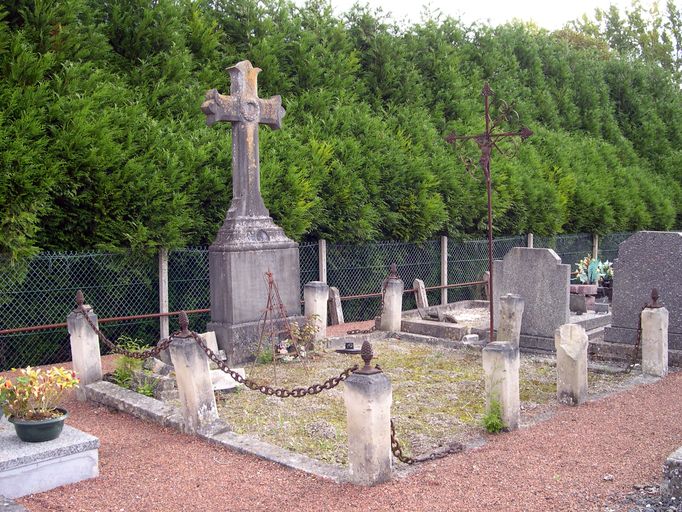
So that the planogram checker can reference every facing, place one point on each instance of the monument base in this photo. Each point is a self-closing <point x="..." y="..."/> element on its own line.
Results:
<point x="629" y="336"/>
<point x="240" y="341"/>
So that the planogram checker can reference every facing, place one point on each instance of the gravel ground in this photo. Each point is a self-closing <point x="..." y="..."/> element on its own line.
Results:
<point x="584" y="458"/>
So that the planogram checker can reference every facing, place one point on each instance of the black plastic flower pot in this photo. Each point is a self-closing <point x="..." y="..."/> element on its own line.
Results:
<point x="39" y="431"/>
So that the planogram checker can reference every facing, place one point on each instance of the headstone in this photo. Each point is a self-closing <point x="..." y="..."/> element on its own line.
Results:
<point x="391" y="316"/>
<point x="571" y="364"/>
<point x="85" y="353"/>
<point x="646" y="260"/>
<point x="501" y="364"/>
<point x="420" y="294"/>
<point x="249" y="243"/>
<point x="655" y="341"/>
<point x="335" y="309"/>
<point x="542" y="281"/>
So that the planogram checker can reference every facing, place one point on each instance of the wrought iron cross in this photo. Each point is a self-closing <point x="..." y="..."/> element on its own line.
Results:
<point x="245" y="110"/>
<point x="486" y="142"/>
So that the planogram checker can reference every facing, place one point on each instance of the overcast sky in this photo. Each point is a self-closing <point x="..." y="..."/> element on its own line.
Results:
<point x="548" y="14"/>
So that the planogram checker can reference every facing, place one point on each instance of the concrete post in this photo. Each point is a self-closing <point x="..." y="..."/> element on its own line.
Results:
<point x="420" y="294"/>
<point x="570" y="341"/>
<point x="335" y="309"/>
<point x="322" y="260"/>
<point x="315" y="297"/>
<point x="511" y="315"/>
<point x="444" y="269"/>
<point x="529" y="240"/>
<point x="193" y="380"/>
<point x="595" y="246"/>
<point x="164" y="324"/>
<point x="368" y="398"/>
<point x="501" y="362"/>
<point x="85" y="354"/>
<point x="393" y="305"/>
<point x="655" y="341"/>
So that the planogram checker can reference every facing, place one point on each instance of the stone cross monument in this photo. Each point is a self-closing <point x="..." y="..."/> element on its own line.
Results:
<point x="249" y="243"/>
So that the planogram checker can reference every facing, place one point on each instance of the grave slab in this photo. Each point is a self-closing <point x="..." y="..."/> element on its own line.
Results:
<point x="28" y="468"/>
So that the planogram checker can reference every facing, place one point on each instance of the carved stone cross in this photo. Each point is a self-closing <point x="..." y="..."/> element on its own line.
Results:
<point x="245" y="110"/>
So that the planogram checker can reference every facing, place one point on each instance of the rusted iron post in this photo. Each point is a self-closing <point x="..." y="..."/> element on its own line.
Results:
<point x="486" y="142"/>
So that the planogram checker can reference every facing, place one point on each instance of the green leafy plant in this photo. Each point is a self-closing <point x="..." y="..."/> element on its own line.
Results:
<point x="593" y="271"/>
<point x="305" y="336"/>
<point x="492" y="421"/>
<point x="264" y="356"/>
<point x="147" y="387"/>
<point x="35" y="393"/>
<point x="127" y="366"/>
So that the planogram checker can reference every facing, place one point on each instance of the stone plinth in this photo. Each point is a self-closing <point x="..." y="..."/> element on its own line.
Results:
<point x="511" y="316"/>
<point x="655" y="341"/>
<point x="368" y="406"/>
<point x="85" y="353"/>
<point x="571" y="364"/>
<point x="393" y="305"/>
<point x="316" y="297"/>
<point x="501" y="362"/>
<point x="420" y="294"/>
<point x="28" y="468"/>
<point x="542" y="281"/>
<point x="646" y="260"/>
<point x="194" y="383"/>
<point x="335" y="309"/>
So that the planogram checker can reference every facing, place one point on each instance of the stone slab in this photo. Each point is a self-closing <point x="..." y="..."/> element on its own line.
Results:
<point x="542" y="281"/>
<point x="223" y="382"/>
<point x="591" y="320"/>
<point x="27" y="468"/>
<point x="646" y="260"/>
<point x="671" y="485"/>
<point x="7" y="505"/>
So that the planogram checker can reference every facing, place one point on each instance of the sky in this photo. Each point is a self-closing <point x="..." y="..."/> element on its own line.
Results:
<point x="549" y="14"/>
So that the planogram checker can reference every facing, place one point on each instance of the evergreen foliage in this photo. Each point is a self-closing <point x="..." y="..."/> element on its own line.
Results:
<point x="103" y="144"/>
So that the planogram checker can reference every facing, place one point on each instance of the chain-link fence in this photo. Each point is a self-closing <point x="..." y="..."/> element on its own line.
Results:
<point x="41" y="290"/>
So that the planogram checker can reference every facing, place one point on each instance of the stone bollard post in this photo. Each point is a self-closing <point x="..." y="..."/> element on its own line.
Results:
<point x="315" y="297"/>
<point x="193" y="379"/>
<point x="420" y="294"/>
<point x="368" y="397"/>
<point x="335" y="309"/>
<point x="391" y="316"/>
<point x="85" y="354"/>
<point x="511" y="315"/>
<point x="501" y="362"/>
<point x="655" y="338"/>
<point x="570" y="341"/>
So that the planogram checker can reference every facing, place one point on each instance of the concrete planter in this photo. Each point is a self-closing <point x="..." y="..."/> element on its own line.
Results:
<point x="39" y="431"/>
<point x="588" y="290"/>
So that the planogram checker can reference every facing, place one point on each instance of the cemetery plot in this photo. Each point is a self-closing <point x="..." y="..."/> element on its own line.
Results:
<point x="438" y="398"/>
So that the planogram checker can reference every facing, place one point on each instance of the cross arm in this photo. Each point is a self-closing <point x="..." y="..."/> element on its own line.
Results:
<point x="271" y="112"/>
<point x="219" y="107"/>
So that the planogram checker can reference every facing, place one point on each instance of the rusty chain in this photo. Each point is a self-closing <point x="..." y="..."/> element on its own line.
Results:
<point x="439" y="454"/>
<point x="313" y="389"/>
<point x="638" y="342"/>
<point x="152" y="352"/>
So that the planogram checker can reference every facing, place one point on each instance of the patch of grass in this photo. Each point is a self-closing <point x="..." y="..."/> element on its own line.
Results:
<point x="492" y="421"/>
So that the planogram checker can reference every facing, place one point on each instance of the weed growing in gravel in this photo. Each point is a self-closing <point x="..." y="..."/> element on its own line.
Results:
<point x="492" y="421"/>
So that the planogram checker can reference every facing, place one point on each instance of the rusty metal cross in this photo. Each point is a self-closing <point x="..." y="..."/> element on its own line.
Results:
<point x="245" y="110"/>
<point x="486" y="142"/>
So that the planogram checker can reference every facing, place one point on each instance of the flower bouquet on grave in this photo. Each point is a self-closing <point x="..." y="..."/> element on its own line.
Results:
<point x="31" y="402"/>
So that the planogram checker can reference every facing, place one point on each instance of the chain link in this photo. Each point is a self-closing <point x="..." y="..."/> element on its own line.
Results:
<point x="398" y="451"/>
<point x="638" y="342"/>
<point x="269" y="390"/>
<point x="152" y="352"/>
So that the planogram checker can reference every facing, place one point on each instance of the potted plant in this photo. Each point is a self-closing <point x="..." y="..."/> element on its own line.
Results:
<point x="30" y="402"/>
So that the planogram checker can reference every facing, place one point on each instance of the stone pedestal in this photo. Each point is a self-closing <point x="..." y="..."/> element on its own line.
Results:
<point x="239" y="288"/>
<point x="501" y="362"/>
<point x="194" y="383"/>
<point x="315" y="298"/>
<point x="420" y="294"/>
<point x="85" y="354"/>
<point x="393" y="305"/>
<point x="671" y="485"/>
<point x="368" y="407"/>
<point x="511" y="316"/>
<point x="655" y="341"/>
<point x="571" y="342"/>
<point x="335" y="309"/>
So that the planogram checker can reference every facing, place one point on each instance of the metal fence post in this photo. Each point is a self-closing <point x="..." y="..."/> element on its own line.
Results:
<point x="163" y="292"/>
<point x="529" y="243"/>
<point x="444" y="269"/>
<point x="322" y="259"/>
<point x="595" y="246"/>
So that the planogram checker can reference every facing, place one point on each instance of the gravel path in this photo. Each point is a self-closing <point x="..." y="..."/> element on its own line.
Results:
<point x="584" y="458"/>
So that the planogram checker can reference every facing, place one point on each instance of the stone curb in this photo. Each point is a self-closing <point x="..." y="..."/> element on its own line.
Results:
<point x="144" y="407"/>
<point x="671" y="486"/>
<point x="7" y="505"/>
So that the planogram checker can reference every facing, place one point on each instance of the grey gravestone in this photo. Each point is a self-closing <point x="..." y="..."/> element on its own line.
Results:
<point x="542" y="281"/>
<point x="249" y="243"/>
<point x="646" y="260"/>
